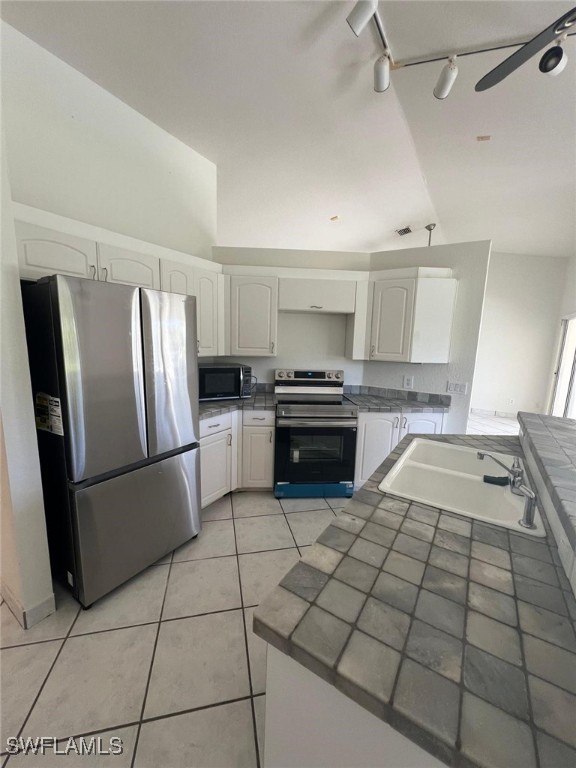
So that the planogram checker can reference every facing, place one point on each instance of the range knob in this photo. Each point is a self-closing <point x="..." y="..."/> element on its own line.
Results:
<point x="290" y="374"/>
<point x="281" y="374"/>
<point x="329" y="375"/>
<point x="338" y="375"/>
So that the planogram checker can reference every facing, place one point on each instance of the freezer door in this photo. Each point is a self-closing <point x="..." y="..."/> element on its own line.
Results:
<point x="170" y="370"/>
<point x="101" y="358"/>
<point x="127" y="523"/>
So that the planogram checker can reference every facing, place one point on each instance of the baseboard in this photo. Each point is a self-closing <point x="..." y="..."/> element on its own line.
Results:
<point x="481" y="412"/>
<point x="507" y="414"/>
<point x="14" y="605"/>
<point x="34" y="615"/>
<point x="28" y="618"/>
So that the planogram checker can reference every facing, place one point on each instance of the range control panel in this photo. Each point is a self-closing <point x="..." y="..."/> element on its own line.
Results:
<point x="284" y="374"/>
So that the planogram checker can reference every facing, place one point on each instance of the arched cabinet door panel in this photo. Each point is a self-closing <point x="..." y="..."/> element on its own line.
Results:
<point x="253" y="316"/>
<point x="392" y="318"/>
<point x="43" y="252"/>
<point x="118" y="265"/>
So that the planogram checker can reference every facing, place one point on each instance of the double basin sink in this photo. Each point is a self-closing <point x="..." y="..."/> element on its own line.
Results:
<point x="450" y="477"/>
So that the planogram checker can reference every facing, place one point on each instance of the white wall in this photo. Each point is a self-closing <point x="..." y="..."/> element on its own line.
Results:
<point x="519" y="333"/>
<point x="469" y="264"/>
<point x="76" y="150"/>
<point x="308" y="341"/>
<point x="25" y="569"/>
<point x="569" y="300"/>
<point x="285" y="257"/>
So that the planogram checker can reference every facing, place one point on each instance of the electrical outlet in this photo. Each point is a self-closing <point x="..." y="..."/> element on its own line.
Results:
<point x="457" y="387"/>
<point x="408" y="382"/>
<point x="511" y="401"/>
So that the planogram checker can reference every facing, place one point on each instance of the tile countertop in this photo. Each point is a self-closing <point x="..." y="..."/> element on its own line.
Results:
<point x="266" y="401"/>
<point x="457" y="633"/>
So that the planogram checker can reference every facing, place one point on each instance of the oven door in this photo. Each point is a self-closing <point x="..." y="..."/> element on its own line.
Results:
<point x="220" y="382"/>
<point x="314" y="451"/>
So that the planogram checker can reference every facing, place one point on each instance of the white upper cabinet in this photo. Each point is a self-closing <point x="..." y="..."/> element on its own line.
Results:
<point x="182" y="278"/>
<point x="253" y="315"/>
<point x="206" y="290"/>
<point x="177" y="278"/>
<point x="43" y="252"/>
<point x="118" y="265"/>
<point x="304" y="295"/>
<point x="392" y="316"/>
<point x="412" y="319"/>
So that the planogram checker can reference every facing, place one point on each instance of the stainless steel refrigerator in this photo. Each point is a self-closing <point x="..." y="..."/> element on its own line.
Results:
<point x="115" y="383"/>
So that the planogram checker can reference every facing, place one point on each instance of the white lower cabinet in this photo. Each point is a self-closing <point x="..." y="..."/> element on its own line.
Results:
<point x="377" y="436"/>
<point x="421" y="424"/>
<point x="380" y="433"/>
<point x="257" y="457"/>
<point x="215" y="466"/>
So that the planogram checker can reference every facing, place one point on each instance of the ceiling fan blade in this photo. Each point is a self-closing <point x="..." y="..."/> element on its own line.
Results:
<point x="505" y="68"/>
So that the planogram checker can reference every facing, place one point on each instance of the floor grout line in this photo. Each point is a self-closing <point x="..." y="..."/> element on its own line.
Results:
<point x="137" y="738"/>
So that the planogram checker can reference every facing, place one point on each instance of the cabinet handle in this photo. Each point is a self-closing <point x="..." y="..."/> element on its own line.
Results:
<point x="197" y="345"/>
<point x="405" y="422"/>
<point x="396" y="422"/>
<point x="272" y="347"/>
<point x="372" y="348"/>
<point x="105" y="273"/>
<point x="229" y="439"/>
<point x="212" y="426"/>
<point x="259" y="418"/>
<point x="270" y="435"/>
<point x="315" y="306"/>
<point x="93" y="266"/>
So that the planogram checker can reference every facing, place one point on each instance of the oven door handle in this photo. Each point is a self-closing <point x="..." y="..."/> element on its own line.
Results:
<point x="317" y="423"/>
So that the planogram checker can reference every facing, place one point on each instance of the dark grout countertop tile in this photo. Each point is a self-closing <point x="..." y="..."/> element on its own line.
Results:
<point x="457" y="633"/>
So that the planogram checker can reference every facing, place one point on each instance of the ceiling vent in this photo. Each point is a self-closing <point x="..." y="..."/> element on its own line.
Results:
<point x="404" y="231"/>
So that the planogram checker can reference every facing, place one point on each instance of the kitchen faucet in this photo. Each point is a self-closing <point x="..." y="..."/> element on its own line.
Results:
<point x="517" y="487"/>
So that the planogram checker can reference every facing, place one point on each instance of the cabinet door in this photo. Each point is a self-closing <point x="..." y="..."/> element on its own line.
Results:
<point x="253" y="316"/>
<point x="215" y="466"/>
<point x="392" y="316"/>
<point x="257" y="457"/>
<point x="206" y="291"/>
<point x="43" y="252"/>
<point x="176" y="277"/>
<point x="117" y="265"/>
<point x="421" y="424"/>
<point x="377" y="436"/>
<point x="304" y="295"/>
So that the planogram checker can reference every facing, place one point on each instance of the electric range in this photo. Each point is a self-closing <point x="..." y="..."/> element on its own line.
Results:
<point x="316" y="428"/>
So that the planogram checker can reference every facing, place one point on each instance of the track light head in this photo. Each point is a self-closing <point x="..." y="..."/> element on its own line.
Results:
<point x="361" y="14"/>
<point x="382" y="73"/>
<point x="446" y="80"/>
<point x="553" y="61"/>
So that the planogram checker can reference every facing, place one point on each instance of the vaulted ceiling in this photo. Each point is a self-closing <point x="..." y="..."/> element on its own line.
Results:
<point x="279" y="95"/>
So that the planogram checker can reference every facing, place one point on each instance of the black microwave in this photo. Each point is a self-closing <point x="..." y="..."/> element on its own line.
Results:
<point x="225" y="381"/>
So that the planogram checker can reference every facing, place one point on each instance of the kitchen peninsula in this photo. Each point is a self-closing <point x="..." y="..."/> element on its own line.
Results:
<point x="454" y="637"/>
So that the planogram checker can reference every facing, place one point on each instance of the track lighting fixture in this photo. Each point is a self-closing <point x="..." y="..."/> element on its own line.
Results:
<point x="361" y="14"/>
<point x="446" y="80"/>
<point x="382" y="73"/>
<point x="554" y="60"/>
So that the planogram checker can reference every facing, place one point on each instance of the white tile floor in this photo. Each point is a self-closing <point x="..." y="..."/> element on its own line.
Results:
<point x="168" y="662"/>
<point x="491" y="425"/>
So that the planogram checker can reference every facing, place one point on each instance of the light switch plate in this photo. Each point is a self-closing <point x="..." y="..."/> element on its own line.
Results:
<point x="457" y="387"/>
<point x="408" y="382"/>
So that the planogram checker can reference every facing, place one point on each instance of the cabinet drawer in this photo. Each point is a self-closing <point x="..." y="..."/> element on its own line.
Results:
<point x="215" y="424"/>
<point x="258" y="418"/>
